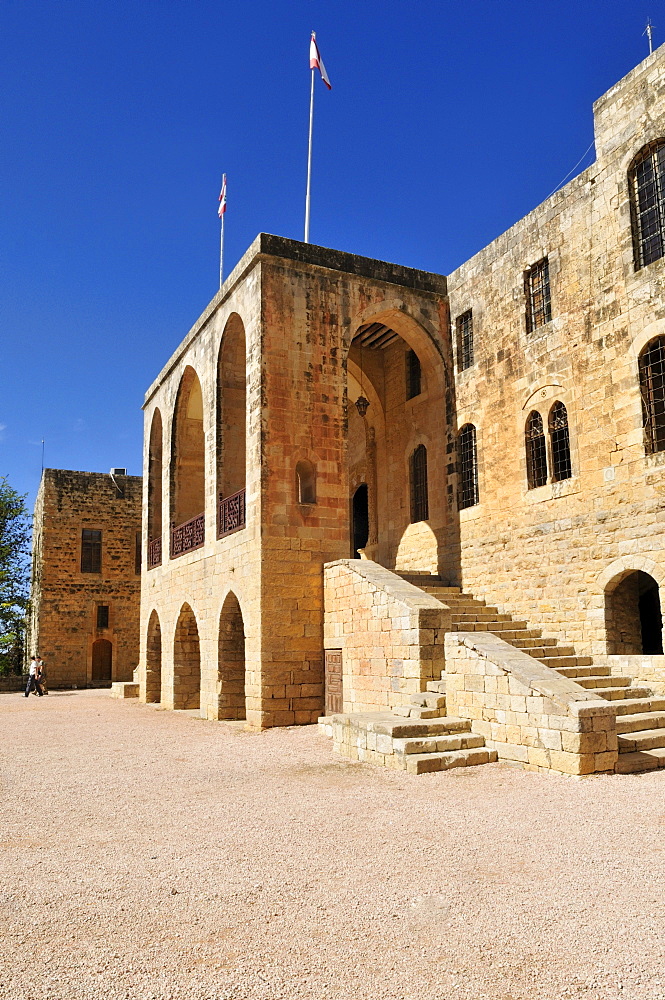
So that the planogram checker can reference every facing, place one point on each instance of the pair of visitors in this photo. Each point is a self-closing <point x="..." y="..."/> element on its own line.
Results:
<point x="34" y="678"/>
<point x="41" y="674"/>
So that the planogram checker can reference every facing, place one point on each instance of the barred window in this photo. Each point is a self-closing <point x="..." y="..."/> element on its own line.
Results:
<point x="413" y="375"/>
<point x="537" y="290"/>
<point x="419" y="503"/>
<point x="560" y="443"/>
<point x="465" y="340"/>
<point x="102" y="616"/>
<point x="468" y="467"/>
<point x="91" y="551"/>
<point x="646" y="181"/>
<point x="651" y="364"/>
<point x="536" y="451"/>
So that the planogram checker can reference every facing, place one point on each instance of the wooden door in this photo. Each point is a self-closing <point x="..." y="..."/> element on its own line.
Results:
<point x="334" y="694"/>
<point x="102" y="654"/>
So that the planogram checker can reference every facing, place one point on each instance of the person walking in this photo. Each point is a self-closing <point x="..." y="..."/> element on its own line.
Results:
<point x="33" y="683"/>
<point x="40" y="677"/>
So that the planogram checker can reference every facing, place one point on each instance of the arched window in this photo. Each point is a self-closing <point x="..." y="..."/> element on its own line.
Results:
<point x="306" y="482"/>
<point x="536" y="451"/>
<point x="188" y="467"/>
<point x="560" y="443"/>
<point x="155" y="492"/>
<point x="419" y="504"/>
<point x="646" y="180"/>
<point x="468" y="467"/>
<point x="651" y="365"/>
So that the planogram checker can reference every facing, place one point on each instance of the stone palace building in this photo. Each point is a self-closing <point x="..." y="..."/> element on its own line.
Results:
<point x="358" y="476"/>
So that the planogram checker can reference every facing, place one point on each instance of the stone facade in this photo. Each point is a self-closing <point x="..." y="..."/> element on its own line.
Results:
<point x="314" y="413"/>
<point x="81" y="645"/>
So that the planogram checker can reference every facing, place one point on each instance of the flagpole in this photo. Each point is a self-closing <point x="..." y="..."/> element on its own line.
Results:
<point x="221" y="252"/>
<point x="309" y="158"/>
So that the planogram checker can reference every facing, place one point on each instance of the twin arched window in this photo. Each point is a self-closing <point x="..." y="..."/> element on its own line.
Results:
<point x="646" y="180"/>
<point x="536" y="447"/>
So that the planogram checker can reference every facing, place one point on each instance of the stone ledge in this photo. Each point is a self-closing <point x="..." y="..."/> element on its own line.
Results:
<point x="124" y="689"/>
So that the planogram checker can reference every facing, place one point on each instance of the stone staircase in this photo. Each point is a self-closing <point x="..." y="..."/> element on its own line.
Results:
<point x="640" y="713"/>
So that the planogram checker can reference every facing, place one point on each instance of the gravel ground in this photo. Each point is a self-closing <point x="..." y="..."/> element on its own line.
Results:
<point x="150" y="854"/>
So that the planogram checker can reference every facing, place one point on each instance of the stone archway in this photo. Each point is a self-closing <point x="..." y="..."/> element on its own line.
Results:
<point x="153" y="676"/>
<point x="231" y="661"/>
<point x="186" y="661"/>
<point x="633" y="620"/>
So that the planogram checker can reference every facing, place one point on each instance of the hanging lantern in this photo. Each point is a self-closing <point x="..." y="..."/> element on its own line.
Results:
<point x="361" y="405"/>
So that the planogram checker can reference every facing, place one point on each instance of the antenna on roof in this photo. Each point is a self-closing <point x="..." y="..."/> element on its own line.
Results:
<point x="648" y="31"/>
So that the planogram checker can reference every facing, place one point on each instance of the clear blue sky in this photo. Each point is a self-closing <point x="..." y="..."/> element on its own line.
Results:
<point x="447" y="122"/>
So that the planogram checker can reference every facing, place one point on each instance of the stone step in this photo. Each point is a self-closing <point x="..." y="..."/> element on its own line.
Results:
<point x="403" y="728"/>
<point x="428" y="699"/>
<point x="619" y="693"/>
<point x="603" y="681"/>
<point x="542" y="641"/>
<point x="642" y="739"/>
<point x="439" y="744"/>
<point x="424" y="713"/>
<point x="555" y="661"/>
<point x="631" y="706"/>
<point x="499" y="628"/>
<point x="640" y="722"/>
<point x="421" y="763"/>
<point x="641" y="760"/>
<point x="479" y="616"/>
<point x="437" y="687"/>
<point x="591" y="671"/>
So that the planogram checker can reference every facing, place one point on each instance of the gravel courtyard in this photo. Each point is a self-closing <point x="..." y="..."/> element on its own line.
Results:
<point x="150" y="854"/>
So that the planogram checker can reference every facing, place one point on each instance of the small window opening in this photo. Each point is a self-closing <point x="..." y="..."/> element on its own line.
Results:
<point x="306" y="482"/>
<point x="91" y="551"/>
<point x="560" y="442"/>
<point x="102" y="616"/>
<point x="536" y="451"/>
<point x="413" y="375"/>
<point x="419" y="499"/>
<point x="465" y="340"/>
<point x="651" y="366"/>
<point x="537" y="289"/>
<point x="468" y="468"/>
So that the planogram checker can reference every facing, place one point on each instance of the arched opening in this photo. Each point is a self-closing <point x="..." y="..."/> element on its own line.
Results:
<point x="231" y="426"/>
<point x="231" y="661"/>
<point x="306" y="482"/>
<point x="186" y="661"/>
<point x="155" y="491"/>
<point x="559" y="443"/>
<point x="153" y="673"/>
<point x="360" y="519"/>
<point x="536" y="451"/>
<point x="646" y="181"/>
<point x="102" y="661"/>
<point x="188" y="467"/>
<point x="651" y="365"/>
<point x="633" y="618"/>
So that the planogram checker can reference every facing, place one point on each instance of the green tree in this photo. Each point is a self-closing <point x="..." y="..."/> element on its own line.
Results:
<point x="14" y="577"/>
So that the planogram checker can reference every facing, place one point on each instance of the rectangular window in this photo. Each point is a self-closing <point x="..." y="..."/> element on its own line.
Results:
<point x="102" y="616"/>
<point x="413" y="375"/>
<point x="537" y="289"/>
<point x="465" y="340"/>
<point x="137" y="554"/>
<point x="91" y="551"/>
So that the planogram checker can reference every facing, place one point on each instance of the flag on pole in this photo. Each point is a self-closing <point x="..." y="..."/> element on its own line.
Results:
<point x="316" y="62"/>
<point x="222" y="198"/>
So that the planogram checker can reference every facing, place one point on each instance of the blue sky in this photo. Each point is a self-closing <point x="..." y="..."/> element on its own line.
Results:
<point x="447" y="122"/>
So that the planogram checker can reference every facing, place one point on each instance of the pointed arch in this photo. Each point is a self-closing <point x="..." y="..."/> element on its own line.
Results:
<point x="231" y="660"/>
<point x="536" y="451"/>
<point x="155" y="460"/>
<point x="231" y="419"/>
<point x="153" y="678"/>
<point x="186" y="661"/>
<point x="188" y="466"/>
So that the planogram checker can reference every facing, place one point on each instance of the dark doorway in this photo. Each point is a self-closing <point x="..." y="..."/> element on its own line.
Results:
<point x="633" y="616"/>
<point x="651" y="622"/>
<point x="102" y="656"/>
<point x="360" y="517"/>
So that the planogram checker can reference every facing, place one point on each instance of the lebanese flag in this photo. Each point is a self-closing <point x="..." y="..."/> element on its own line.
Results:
<point x="316" y="62"/>
<point x="222" y="198"/>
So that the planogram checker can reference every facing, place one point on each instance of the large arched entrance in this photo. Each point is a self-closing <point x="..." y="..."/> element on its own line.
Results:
<point x="155" y="491"/>
<point x="231" y="661"/>
<point x="153" y="676"/>
<point x="102" y="661"/>
<point x="186" y="661"/>
<point x="633" y="618"/>
<point x="231" y="427"/>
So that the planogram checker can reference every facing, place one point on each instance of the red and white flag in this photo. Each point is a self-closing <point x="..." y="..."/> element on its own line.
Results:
<point x="222" y="198"/>
<point x="316" y="62"/>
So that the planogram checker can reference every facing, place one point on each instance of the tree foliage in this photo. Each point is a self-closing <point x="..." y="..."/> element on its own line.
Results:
<point x="14" y="576"/>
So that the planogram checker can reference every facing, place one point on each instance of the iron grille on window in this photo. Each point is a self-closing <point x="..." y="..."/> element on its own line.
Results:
<point x="91" y="551"/>
<point x="537" y="288"/>
<point x="419" y="504"/>
<point x="652" y="386"/>
<point x="102" y="616"/>
<point x="536" y="451"/>
<point x="413" y="375"/>
<point x="465" y="340"/>
<point x="560" y="442"/>
<point x="468" y="467"/>
<point x="647" y="188"/>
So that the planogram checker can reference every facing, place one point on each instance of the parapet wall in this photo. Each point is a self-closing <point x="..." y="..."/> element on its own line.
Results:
<point x="527" y="713"/>
<point x="390" y="634"/>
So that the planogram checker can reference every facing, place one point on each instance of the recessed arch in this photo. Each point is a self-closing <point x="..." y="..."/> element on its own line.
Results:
<point x="155" y="462"/>
<point x="186" y="661"/>
<point x="188" y="451"/>
<point x="305" y="481"/>
<point x="633" y="619"/>
<point x="231" y="409"/>
<point x="231" y="661"/>
<point x="153" y="665"/>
